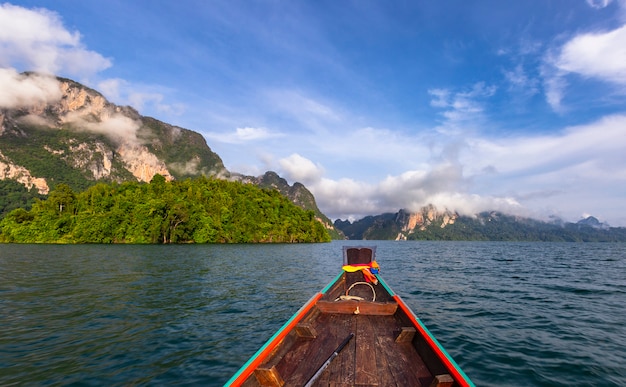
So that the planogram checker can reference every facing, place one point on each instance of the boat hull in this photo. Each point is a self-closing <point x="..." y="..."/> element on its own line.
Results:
<point x="391" y="346"/>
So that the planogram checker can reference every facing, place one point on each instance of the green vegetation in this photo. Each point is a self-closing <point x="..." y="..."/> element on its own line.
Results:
<point x="202" y="210"/>
<point x="185" y="152"/>
<point x="15" y="195"/>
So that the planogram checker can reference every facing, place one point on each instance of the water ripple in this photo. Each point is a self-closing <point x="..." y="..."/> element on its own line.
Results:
<point x="511" y="314"/>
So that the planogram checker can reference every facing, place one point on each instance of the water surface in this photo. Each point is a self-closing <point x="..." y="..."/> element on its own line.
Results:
<point x="511" y="314"/>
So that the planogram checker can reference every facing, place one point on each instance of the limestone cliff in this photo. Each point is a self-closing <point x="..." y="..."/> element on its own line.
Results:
<point x="399" y="226"/>
<point x="69" y="133"/>
<point x="9" y="170"/>
<point x="427" y="216"/>
<point x="78" y="137"/>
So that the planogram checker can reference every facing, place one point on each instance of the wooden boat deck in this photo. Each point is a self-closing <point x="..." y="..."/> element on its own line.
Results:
<point x="388" y="345"/>
<point x="381" y="353"/>
<point x="371" y="358"/>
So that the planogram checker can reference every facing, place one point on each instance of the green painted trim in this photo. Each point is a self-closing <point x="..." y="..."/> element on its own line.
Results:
<point x="443" y="350"/>
<point x="278" y="332"/>
<point x="331" y="283"/>
<point x="439" y="346"/>
<point x="387" y="288"/>
<point x="271" y="340"/>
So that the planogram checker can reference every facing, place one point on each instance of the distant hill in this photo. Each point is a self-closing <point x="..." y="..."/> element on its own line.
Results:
<point x="297" y="193"/>
<point x="80" y="139"/>
<point x="430" y="224"/>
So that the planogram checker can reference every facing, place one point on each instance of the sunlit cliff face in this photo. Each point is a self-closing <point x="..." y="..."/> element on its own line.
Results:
<point x="22" y="176"/>
<point x="46" y="101"/>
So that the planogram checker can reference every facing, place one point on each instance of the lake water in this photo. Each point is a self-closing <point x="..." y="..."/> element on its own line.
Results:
<point x="511" y="314"/>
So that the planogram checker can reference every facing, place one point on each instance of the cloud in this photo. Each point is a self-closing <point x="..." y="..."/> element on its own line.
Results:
<point x="301" y="169"/>
<point x="519" y="81"/>
<point x="118" y="127"/>
<point x="18" y="90"/>
<point x="594" y="55"/>
<point x="308" y="112"/>
<point x="36" y="39"/>
<point x="583" y="150"/>
<point x="599" y="4"/>
<point x="243" y="135"/>
<point x="138" y="96"/>
<point x="442" y="185"/>
<point x="461" y="109"/>
<point x="554" y="84"/>
<point x="544" y="172"/>
<point x="140" y="100"/>
<point x="600" y="55"/>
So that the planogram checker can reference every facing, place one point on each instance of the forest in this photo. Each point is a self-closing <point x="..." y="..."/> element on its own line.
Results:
<point x="200" y="210"/>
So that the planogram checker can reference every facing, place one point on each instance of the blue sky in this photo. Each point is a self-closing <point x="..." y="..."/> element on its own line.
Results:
<point x="374" y="106"/>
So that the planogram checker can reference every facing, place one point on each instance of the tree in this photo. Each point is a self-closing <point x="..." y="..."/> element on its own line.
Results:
<point x="191" y="211"/>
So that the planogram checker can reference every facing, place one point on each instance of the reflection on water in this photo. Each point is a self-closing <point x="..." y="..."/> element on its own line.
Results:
<point x="513" y="314"/>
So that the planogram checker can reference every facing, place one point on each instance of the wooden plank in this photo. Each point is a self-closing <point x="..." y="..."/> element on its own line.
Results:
<point x="304" y="359"/>
<point x="306" y="331"/>
<point x="365" y="308"/>
<point x="268" y="377"/>
<point x="337" y="289"/>
<point x="406" y="335"/>
<point x="341" y="370"/>
<point x="366" y="370"/>
<point x="443" y="380"/>
<point x="303" y="364"/>
<point x="403" y="363"/>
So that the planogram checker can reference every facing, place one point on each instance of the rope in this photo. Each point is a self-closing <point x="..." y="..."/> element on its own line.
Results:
<point x="362" y="283"/>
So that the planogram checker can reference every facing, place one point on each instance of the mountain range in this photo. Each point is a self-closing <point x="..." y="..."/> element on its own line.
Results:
<point x="72" y="134"/>
<point x="431" y="224"/>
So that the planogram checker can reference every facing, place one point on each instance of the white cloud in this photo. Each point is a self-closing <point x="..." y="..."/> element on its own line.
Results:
<point x="595" y="55"/>
<point x="520" y="81"/>
<point x="555" y="86"/>
<point x="441" y="98"/>
<point x="243" y="135"/>
<point x="556" y="173"/>
<point x="117" y="127"/>
<point x="36" y="39"/>
<point x="600" y="55"/>
<point x="17" y="90"/>
<point x="573" y="148"/>
<point x="462" y="109"/>
<point x="599" y="4"/>
<point x="442" y="185"/>
<point x="111" y="88"/>
<point x="310" y="113"/>
<point x="301" y="169"/>
<point x="138" y="96"/>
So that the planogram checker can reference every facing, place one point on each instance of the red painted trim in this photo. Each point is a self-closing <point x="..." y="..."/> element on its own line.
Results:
<point x="433" y="344"/>
<point x="275" y="341"/>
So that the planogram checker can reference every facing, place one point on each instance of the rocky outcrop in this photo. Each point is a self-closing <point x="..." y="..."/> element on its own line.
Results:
<point x="9" y="170"/>
<point x="143" y="164"/>
<point x="98" y="138"/>
<point x="399" y="226"/>
<point x="427" y="216"/>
